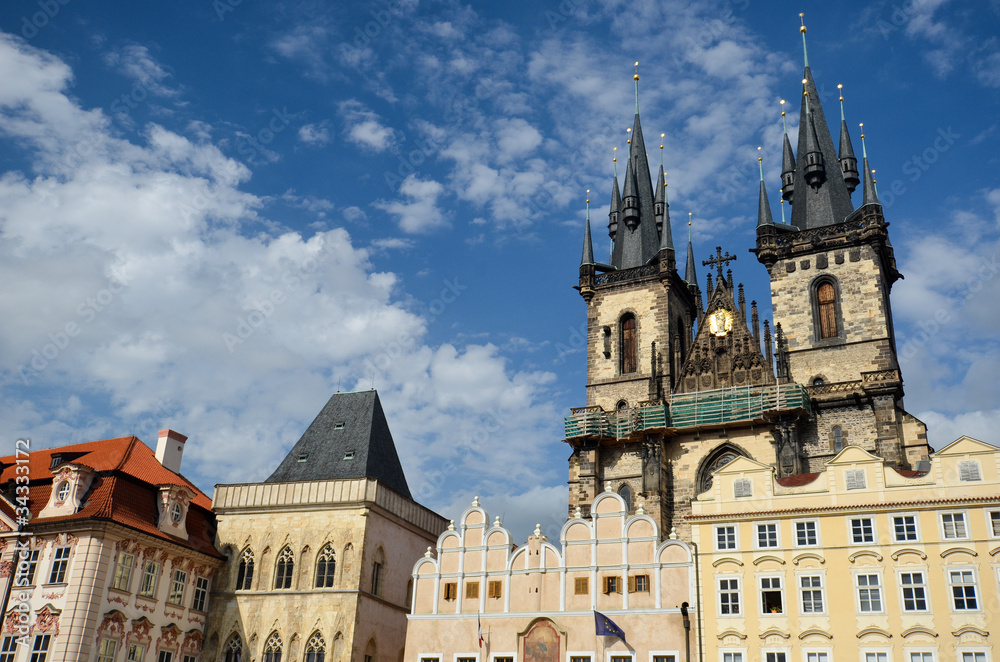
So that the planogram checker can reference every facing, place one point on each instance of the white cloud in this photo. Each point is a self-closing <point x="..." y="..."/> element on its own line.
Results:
<point x="364" y="127"/>
<point x="315" y="135"/>
<point x="136" y="62"/>
<point x="306" y="44"/>
<point x="419" y="213"/>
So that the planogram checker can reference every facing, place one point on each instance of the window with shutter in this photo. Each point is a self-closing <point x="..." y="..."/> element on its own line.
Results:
<point x="826" y="297"/>
<point x="629" y="359"/>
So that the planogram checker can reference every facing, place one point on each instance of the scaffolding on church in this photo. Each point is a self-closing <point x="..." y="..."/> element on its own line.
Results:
<point x="741" y="404"/>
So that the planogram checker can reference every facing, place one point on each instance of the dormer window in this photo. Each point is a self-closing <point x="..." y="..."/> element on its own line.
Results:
<point x="176" y="513"/>
<point x="339" y="425"/>
<point x="349" y="455"/>
<point x="56" y="461"/>
<point x="64" y="489"/>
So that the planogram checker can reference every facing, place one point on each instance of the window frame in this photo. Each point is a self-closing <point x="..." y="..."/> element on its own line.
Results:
<point x="991" y="530"/>
<point x="736" y="537"/>
<point x="450" y="590"/>
<point x="123" y="573"/>
<point x="60" y="564"/>
<point x="31" y="571"/>
<point x="729" y="591"/>
<point x="151" y="593"/>
<point x="818" y="309"/>
<point x="777" y="534"/>
<point x="874" y="527"/>
<point x="40" y="654"/>
<point x="327" y="558"/>
<point x="472" y="589"/>
<point x="581" y="581"/>
<point x="916" y="527"/>
<point x="173" y="593"/>
<point x="623" y="344"/>
<point x="908" y="654"/>
<point x="821" y="589"/>
<point x="202" y="593"/>
<point x="976" y="594"/>
<point x="922" y="586"/>
<point x="8" y="648"/>
<point x="880" y="586"/>
<point x="616" y="580"/>
<point x="816" y="533"/>
<point x="944" y="529"/>
<point x="494" y="589"/>
<point x="284" y="569"/>
<point x="780" y="590"/>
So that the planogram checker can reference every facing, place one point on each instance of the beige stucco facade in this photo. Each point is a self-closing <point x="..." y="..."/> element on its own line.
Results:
<point x="537" y="601"/>
<point x="363" y="523"/>
<point x="855" y="560"/>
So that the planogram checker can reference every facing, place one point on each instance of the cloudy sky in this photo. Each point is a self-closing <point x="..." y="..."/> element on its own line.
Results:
<point x="215" y="214"/>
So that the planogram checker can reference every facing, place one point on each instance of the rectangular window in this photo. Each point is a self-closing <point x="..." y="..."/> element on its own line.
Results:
<point x="200" y="602"/>
<point x="770" y="595"/>
<point x="135" y="652"/>
<point x="496" y="589"/>
<point x="621" y="658"/>
<point x="725" y="538"/>
<point x="963" y="590"/>
<point x="914" y="591"/>
<point x="953" y="525"/>
<point x="968" y="471"/>
<point x="503" y="658"/>
<point x="774" y="657"/>
<point x="579" y="658"/>
<point x="811" y="587"/>
<point x="869" y="593"/>
<point x="26" y="569"/>
<point x="106" y="651"/>
<point x="150" y="576"/>
<point x="8" y="649"/>
<point x="123" y="571"/>
<point x="994" y="516"/>
<point x="976" y="656"/>
<point x="729" y="597"/>
<point x="921" y="656"/>
<point x="805" y="534"/>
<point x="165" y="656"/>
<point x="40" y="648"/>
<point x="767" y="535"/>
<point x="876" y="657"/>
<point x="450" y="590"/>
<point x="664" y="658"/>
<point x="581" y="586"/>
<point x="377" y="579"/>
<point x="904" y="528"/>
<point x="612" y="584"/>
<point x="60" y="563"/>
<point x="862" y="529"/>
<point x="192" y="658"/>
<point x="177" y="585"/>
<point x="732" y="657"/>
<point x="471" y="590"/>
<point x="855" y="479"/>
<point x="817" y="657"/>
<point x="638" y="584"/>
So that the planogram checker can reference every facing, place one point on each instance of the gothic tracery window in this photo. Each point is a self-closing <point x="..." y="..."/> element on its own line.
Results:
<point x="629" y="355"/>
<point x="826" y="303"/>
<point x="326" y="564"/>
<point x="316" y="648"/>
<point x="272" y="649"/>
<point x="285" y="567"/>
<point x="234" y="649"/>
<point x="721" y="458"/>
<point x="245" y="575"/>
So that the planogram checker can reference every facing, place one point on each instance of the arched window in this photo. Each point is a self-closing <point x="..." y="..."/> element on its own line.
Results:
<point x="245" y="575"/>
<point x="626" y="494"/>
<point x="629" y="354"/>
<point x="316" y="648"/>
<point x="326" y="564"/>
<point x="838" y="439"/>
<point x="338" y="647"/>
<point x="284" y="568"/>
<point x="272" y="648"/>
<point x="234" y="649"/>
<point x="370" y="651"/>
<point x="622" y="405"/>
<point x="377" y="569"/>
<point x="718" y="459"/>
<point x="826" y="304"/>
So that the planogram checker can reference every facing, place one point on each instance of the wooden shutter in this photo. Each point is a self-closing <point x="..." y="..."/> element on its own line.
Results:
<point x="629" y="359"/>
<point x="827" y="299"/>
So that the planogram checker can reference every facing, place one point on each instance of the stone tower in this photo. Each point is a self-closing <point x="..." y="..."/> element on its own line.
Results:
<point x="677" y="388"/>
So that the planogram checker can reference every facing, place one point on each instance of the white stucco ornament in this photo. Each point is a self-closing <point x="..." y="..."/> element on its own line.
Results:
<point x="578" y="513"/>
<point x="538" y="530"/>
<point x="496" y="521"/>
<point x="607" y="486"/>
<point x="475" y="502"/>
<point x="428" y="554"/>
<point x="673" y="533"/>
<point x="451" y="525"/>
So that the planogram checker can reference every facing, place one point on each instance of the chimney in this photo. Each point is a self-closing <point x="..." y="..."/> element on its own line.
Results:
<point x="170" y="449"/>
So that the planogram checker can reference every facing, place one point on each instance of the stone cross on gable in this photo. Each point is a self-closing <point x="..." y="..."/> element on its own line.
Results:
<point x="719" y="260"/>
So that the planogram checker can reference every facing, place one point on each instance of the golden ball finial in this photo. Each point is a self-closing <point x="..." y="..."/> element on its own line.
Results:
<point x="803" y="21"/>
<point x="635" y="77"/>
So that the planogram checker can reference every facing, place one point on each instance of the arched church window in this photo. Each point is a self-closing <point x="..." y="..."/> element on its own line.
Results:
<point x="626" y="494"/>
<point x="826" y="301"/>
<point x="234" y="649"/>
<point x="326" y="564"/>
<point x="622" y="404"/>
<point x="244" y="576"/>
<point x="272" y="649"/>
<point x="316" y="648"/>
<point x="716" y="461"/>
<point x="818" y="381"/>
<point x="838" y="439"/>
<point x="629" y="354"/>
<point x="284" y="568"/>
<point x="377" y="566"/>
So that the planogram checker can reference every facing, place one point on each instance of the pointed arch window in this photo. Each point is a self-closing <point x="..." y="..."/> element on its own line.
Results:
<point x="629" y="349"/>
<point x="234" y="649"/>
<point x="718" y="459"/>
<point x="245" y="575"/>
<point x="826" y="303"/>
<point x="316" y="648"/>
<point x="284" y="569"/>
<point x="626" y="494"/>
<point x="272" y="649"/>
<point x="377" y="569"/>
<point x="838" y="439"/>
<point x="326" y="565"/>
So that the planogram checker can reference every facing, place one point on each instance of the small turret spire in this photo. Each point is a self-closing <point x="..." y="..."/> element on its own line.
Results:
<point x="659" y="200"/>
<point x="787" y="161"/>
<point x="815" y="169"/>
<point x="871" y="196"/>
<point x="763" y="206"/>
<point x="848" y="162"/>
<point x="690" y="277"/>
<point x="588" y="244"/>
<point x="805" y="51"/>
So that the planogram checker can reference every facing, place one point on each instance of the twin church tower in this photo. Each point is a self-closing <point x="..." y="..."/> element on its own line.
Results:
<point x="681" y="381"/>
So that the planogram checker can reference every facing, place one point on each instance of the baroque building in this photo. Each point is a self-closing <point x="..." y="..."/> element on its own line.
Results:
<point x="114" y="559"/>
<point x="681" y="381"/>
<point x="318" y="556"/>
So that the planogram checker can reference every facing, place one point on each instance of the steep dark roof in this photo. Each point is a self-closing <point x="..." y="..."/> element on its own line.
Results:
<point x="634" y="248"/>
<point x="349" y="438"/>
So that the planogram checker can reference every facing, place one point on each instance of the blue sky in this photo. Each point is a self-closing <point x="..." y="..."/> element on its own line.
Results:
<point x="215" y="214"/>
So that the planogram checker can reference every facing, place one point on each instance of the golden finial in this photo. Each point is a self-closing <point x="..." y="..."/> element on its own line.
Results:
<point x="629" y="132"/>
<point x="864" y="149"/>
<point x="783" y="211"/>
<point x="840" y="87"/>
<point x="760" y="162"/>
<point x="636" y="76"/>
<point x="614" y="159"/>
<point x="802" y="19"/>
<point x="805" y="52"/>
<point x="784" y="123"/>
<point x="588" y="196"/>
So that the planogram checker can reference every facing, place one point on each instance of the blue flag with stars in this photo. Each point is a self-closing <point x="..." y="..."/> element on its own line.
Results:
<point x="607" y="627"/>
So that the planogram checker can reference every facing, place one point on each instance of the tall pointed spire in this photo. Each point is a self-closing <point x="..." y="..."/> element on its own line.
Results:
<point x="815" y="168"/>
<point x="616" y="203"/>
<point x="690" y="277"/>
<point x="659" y="200"/>
<point x="787" y="161"/>
<point x="763" y="205"/>
<point x="588" y="244"/>
<point x="848" y="162"/>
<point x="871" y="195"/>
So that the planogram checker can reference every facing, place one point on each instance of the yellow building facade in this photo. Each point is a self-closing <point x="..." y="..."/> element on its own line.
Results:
<point x="860" y="561"/>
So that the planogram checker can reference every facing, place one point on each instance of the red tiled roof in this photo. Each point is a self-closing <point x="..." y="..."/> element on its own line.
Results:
<point x="125" y="489"/>
<point x="796" y="480"/>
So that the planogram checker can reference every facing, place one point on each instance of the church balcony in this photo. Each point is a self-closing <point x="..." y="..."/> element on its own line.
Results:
<point x="686" y="410"/>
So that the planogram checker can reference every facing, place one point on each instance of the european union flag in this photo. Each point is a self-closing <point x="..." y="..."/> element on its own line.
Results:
<point x="607" y="627"/>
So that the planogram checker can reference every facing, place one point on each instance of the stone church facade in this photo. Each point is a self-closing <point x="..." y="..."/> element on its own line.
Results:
<point x="681" y="380"/>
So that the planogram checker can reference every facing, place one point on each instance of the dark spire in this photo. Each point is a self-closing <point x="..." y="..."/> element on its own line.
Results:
<point x="763" y="205"/>
<point x="690" y="277"/>
<point x="616" y="209"/>
<point x="848" y="162"/>
<point x="871" y="195"/>
<point x="588" y="244"/>
<point x="658" y="200"/>
<point x="630" y="199"/>
<point x="815" y="169"/>
<point x="787" y="167"/>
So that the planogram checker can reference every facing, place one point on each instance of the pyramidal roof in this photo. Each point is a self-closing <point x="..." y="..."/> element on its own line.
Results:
<point x="349" y="438"/>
